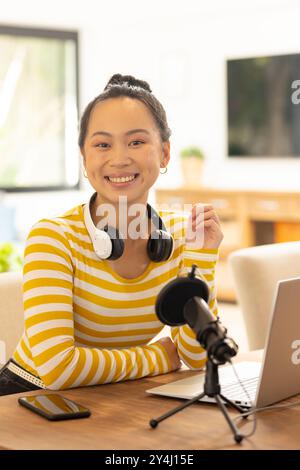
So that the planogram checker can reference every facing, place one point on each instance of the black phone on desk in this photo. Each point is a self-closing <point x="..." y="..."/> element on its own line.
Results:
<point x="54" y="407"/>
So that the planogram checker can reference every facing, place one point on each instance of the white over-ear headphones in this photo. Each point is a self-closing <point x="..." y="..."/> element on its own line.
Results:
<point x="108" y="243"/>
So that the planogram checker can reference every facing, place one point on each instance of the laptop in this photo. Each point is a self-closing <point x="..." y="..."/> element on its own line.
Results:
<point x="274" y="379"/>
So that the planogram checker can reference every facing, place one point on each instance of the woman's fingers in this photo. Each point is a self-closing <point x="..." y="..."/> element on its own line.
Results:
<point x="200" y="209"/>
<point x="204" y="228"/>
<point x="206" y="223"/>
<point x="202" y="216"/>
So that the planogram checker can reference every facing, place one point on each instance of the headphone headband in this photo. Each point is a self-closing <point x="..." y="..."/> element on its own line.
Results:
<point x="156" y="219"/>
<point x="151" y="212"/>
<point x="108" y="242"/>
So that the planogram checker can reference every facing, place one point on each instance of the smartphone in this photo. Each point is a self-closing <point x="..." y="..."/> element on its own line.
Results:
<point x="54" y="407"/>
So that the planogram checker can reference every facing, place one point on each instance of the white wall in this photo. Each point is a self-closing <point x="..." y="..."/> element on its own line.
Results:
<point x="180" y="48"/>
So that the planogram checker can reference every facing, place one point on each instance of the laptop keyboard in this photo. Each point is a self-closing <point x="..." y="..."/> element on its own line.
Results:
<point x="189" y="387"/>
<point x="234" y="391"/>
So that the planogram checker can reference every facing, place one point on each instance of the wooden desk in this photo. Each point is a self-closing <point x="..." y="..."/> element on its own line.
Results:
<point x="120" y="420"/>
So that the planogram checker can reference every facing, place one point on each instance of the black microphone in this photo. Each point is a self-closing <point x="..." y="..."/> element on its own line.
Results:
<point x="184" y="300"/>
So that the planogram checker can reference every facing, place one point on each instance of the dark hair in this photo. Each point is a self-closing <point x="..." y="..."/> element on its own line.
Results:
<point x="127" y="85"/>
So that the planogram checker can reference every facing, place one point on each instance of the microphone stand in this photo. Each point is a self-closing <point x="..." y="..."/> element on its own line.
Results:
<point x="211" y="389"/>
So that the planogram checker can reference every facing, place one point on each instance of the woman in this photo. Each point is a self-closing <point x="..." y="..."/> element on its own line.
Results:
<point x="90" y="321"/>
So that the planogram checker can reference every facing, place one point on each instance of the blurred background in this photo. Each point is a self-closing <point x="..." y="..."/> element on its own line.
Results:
<point x="227" y="74"/>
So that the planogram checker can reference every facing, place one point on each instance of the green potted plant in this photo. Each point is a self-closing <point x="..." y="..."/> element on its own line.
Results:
<point x="192" y="161"/>
<point x="10" y="259"/>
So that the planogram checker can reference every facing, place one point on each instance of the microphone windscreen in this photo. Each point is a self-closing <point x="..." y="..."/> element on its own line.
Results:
<point x="172" y="298"/>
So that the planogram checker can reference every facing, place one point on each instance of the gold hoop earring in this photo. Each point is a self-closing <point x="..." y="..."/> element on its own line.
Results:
<point x="164" y="172"/>
<point x="85" y="173"/>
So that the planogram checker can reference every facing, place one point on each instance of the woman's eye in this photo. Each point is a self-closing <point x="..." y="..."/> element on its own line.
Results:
<point x="105" y="145"/>
<point x="140" y="141"/>
<point x="101" y="145"/>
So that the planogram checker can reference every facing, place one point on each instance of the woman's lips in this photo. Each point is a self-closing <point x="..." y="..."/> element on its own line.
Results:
<point x="122" y="184"/>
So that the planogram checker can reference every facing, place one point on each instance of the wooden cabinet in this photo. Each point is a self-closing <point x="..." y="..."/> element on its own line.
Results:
<point x="248" y="218"/>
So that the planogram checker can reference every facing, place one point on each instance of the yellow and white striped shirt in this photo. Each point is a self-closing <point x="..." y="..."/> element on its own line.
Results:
<point x="85" y="324"/>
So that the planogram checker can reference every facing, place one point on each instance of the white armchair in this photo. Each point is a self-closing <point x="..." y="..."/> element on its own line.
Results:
<point x="11" y="313"/>
<point x="256" y="271"/>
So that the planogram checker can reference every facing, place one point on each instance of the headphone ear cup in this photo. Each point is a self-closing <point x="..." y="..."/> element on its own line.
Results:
<point x="160" y="246"/>
<point x="168" y="245"/>
<point x="117" y="242"/>
<point x="102" y="244"/>
<point x="154" y="246"/>
<point x="118" y="249"/>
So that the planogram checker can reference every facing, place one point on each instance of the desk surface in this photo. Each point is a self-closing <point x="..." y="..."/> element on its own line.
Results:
<point x="120" y="420"/>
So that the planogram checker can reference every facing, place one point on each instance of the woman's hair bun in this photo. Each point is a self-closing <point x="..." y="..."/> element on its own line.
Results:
<point x="127" y="80"/>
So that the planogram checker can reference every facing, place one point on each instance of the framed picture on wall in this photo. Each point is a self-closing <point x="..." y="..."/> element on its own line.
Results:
<point x="38" y="109"/>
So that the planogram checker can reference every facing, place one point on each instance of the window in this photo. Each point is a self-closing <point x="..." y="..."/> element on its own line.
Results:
<point x="38" y="109"/>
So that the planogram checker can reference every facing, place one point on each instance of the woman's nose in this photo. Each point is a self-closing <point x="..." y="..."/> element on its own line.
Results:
<point x="120" y="157"/>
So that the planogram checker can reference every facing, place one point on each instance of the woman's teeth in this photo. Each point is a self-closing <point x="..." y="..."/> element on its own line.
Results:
<point x="123" y="179"/>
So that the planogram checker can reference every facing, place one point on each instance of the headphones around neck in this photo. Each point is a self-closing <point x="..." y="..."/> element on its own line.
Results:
<point x="109" y="244"/>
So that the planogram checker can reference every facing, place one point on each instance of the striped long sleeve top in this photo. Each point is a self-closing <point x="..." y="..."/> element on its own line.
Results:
<point x="87" y="325"/>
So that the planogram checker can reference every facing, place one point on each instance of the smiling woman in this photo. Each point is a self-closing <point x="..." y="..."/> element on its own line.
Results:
<point x="123" y="151"/>
<point x="127" y="127"/>
<point x="90" y="314"/>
